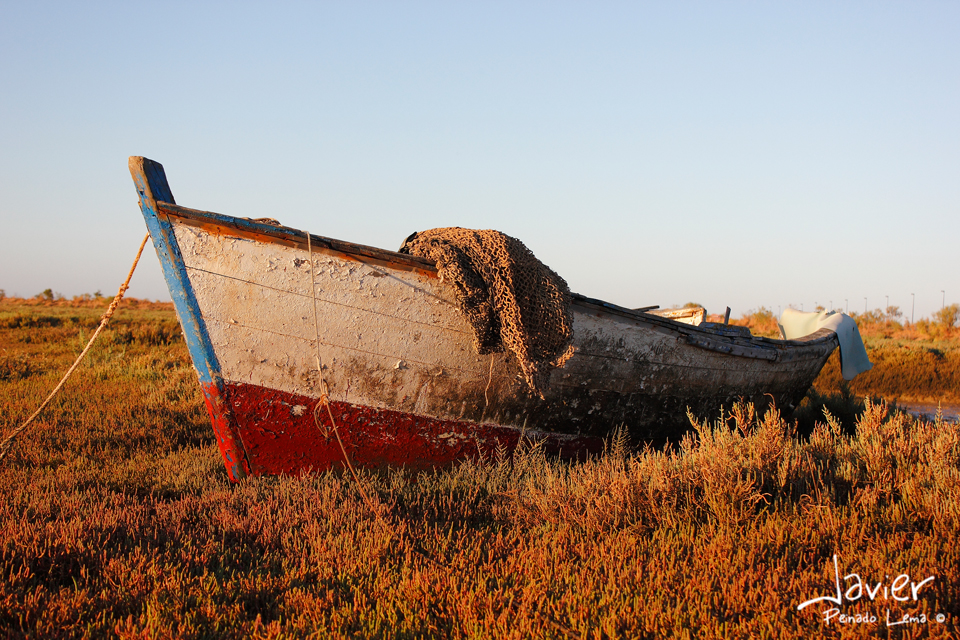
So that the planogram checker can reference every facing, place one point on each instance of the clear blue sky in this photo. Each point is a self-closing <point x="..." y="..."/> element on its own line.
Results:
<point x="739" y="154"/>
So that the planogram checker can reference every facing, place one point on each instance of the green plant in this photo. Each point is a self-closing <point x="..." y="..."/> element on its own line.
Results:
<point x="15" y="367"/>
<point x="948" y="316"/>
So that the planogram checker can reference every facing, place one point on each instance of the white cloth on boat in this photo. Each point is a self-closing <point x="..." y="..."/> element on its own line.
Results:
<point x="853" y="355"/>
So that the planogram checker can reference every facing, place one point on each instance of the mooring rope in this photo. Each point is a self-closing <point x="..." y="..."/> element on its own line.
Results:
<point x="8" y="442"/>
<point x="325" y="398"/>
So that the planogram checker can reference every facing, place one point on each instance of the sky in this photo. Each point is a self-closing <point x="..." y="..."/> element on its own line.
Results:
<point x="739" y="154"/>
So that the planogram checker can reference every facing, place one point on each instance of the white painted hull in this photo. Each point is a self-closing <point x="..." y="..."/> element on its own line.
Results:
<point x="398" y="357"/>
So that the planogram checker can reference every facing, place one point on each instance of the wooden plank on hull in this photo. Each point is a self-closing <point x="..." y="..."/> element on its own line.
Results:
<point x="151" y="183"/>
<point x="218" y="223"/>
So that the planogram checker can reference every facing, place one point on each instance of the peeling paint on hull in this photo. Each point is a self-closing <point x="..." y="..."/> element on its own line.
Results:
<point x="281" y="435"/>
<point x="398" y="356"/>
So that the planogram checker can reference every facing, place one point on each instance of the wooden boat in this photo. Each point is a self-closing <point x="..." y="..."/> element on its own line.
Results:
<point x="405" y="385"/>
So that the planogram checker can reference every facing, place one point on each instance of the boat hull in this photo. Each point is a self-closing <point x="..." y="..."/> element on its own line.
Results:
<point x="405" y="384"/>
<point x="292" y="434"/>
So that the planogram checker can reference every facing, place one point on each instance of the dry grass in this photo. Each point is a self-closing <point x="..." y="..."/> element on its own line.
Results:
<point x="762" y="322"/>
<point x="902" y="371"/>
<point x="118" y="520"/>
<point x="911" y="363"/>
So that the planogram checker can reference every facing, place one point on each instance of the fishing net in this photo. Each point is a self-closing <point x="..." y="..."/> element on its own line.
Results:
<point x="510" y="298"/>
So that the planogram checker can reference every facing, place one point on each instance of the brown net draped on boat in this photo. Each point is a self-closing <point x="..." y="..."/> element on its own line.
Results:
<point x="509" y="297"/>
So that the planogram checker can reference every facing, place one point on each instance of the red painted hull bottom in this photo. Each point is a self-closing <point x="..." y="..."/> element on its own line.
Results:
<point x="281" y="436"/>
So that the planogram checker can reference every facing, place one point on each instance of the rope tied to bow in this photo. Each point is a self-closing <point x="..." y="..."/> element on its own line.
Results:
<point x="7" y="443"/>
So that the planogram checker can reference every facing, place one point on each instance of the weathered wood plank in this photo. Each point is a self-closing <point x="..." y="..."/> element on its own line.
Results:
<point x="151" y="183"/>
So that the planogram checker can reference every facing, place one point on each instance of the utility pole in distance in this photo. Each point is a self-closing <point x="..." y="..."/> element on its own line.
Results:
<point x="864" y="306"/>
<point x="913" y="304"/>
<point x="943" y="300"/>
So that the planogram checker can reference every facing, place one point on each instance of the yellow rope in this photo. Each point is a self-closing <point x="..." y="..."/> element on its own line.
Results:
<point x="8" y="442"/>
<point x="325" y="398"/>
<point x="486" y="400"/>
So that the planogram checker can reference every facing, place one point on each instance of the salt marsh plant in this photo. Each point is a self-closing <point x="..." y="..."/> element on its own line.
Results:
<point x="118" y="520"/>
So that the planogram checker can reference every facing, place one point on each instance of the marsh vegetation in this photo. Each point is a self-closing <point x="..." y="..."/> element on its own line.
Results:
<point x="118" y="520"/>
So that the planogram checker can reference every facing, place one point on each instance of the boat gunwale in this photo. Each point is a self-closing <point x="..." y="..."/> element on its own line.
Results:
<point x="297" y="237"/>
<point x="752" y="346"/>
